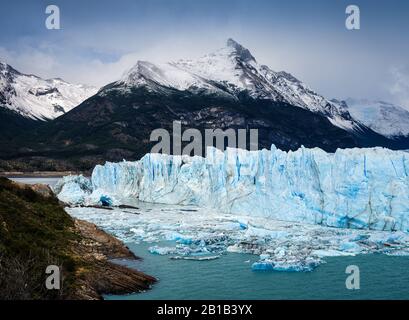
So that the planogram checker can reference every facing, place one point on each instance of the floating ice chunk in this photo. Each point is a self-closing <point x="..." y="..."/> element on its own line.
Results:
<point x="234" y="249"/>
<point x="265" y="233"/>
<point x="205" y="233"/>
<point x="262" y="266"/>
<point x="73" y="189"/>
<point x="398" y="253"/>
<point x="106" y="201"/>
<point x="279" y="252"/>
<point x="351" y="247"/>
<point x="243" y="223"/>
<point x="330" y="253"/>
<point x="207" y="258"/>
<point x="99" y="197"/>
<point x="138" y="232"/>
<point x="161" y="250"/>
<point x="361" y="237"/>
<point x="304" y="266"/>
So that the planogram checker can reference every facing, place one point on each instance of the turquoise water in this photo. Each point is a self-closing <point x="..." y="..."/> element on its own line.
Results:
<point x="230" y="277"/>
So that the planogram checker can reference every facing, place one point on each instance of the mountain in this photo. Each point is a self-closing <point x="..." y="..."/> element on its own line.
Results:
<point x="226" y="89"/>
<point x="36" y="98"/>
<point x="385" y="118"/>
<point x="233" y="72"/>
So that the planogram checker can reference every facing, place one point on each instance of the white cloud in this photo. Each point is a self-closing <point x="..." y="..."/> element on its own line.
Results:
<point x="400" y="86"/>
<point x="29" y="61"/>
<point x="78" y="66"/>
<point x="329" y="70"/>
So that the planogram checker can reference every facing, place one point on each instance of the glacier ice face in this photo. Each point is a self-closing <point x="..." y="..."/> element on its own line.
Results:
<point x="73" y="189"/>
<point x="353" y="188"/>
<point x="78" y="190"/>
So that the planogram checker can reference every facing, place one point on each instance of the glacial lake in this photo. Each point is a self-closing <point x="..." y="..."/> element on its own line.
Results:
<point x="51" y="181"/>
<point x="231" y="277"/>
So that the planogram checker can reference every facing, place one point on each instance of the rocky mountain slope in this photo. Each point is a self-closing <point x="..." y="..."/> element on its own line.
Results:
<point x="227" y="89"/>
<point x="234" y="72"/>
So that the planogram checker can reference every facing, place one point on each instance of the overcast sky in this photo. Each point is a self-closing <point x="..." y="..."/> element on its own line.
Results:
<point x="101" y="39"/>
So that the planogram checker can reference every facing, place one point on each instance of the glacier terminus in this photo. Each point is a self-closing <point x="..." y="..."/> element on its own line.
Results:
<point x="290" y="208"/>
<point x="352" y="188"/>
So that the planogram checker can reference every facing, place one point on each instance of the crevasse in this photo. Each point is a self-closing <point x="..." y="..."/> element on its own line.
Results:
<point x="352" y="188"/>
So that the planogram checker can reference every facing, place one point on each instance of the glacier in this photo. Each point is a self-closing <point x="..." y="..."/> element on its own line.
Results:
<point x="290" y="210"/>
<point x="351" y="188"/>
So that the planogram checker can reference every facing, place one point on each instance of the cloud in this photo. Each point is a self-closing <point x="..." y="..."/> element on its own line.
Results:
<point x="99" y="61"/>
<point x="89" y="65"/>
<point x="48" y="64"/>
<point x="34" y="60"/>
<point x="400" y="86"/>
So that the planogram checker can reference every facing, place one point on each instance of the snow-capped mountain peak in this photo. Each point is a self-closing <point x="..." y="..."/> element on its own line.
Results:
<point x="234" y="71"/>
<point x="37" y="98"/>
<point x="239" y="51"/>
<point x="384" y="118"/>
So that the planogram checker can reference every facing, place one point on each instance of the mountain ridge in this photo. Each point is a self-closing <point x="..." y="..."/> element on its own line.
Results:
<point x="387" y="119"/>
<point x="226" y="89"/>
<point x="233" y="70"/>
<point x="36" y="98"/>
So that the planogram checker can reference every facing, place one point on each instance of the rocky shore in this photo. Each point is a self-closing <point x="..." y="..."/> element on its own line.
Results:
<point x="35" y="231"/>
<point x="42" y="174"/>
<point x="101" y="276"/>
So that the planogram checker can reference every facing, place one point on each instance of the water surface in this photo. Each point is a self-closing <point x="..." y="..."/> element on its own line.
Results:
<point x="382" y="277"/>
<point x="51" y="181"/>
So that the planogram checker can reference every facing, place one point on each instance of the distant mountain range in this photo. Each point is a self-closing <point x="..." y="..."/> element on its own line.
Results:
<point x="224" y="89"/>
<point x="37" y="98"/>
<point x="384" y="118"/>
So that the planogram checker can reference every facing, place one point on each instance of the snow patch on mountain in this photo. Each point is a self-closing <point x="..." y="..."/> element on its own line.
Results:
<point x="233" y="70"/>
<point x="382" y="117"/>
<point x="37" y="98"/>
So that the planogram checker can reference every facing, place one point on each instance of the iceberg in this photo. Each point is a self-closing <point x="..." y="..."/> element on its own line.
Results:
<point x="73" y="190"/>
<point x="351" y="188"/>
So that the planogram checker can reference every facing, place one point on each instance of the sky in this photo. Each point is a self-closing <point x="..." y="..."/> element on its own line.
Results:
<point x="99" y="40"/>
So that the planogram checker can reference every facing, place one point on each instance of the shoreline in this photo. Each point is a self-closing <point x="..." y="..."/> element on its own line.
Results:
<point x="38" y="174"/>
<point x="103" y="276"/>
<point x="82" y="250"/>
